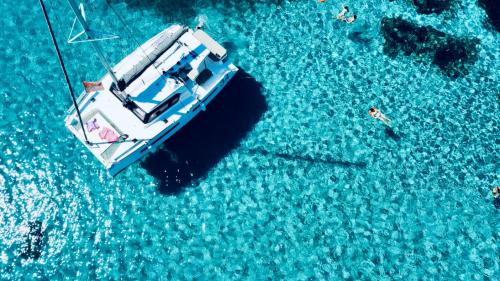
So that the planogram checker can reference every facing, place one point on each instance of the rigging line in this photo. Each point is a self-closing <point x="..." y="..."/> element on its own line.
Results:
<point x="54" y="41"/>
<point x="58" y="19"/>
<point x="92" y="3"/>
<point x="80" y="77"/>
<point x="57" y="15"/>
<point x="132" y="35"/>
<point x="122" y="21"/>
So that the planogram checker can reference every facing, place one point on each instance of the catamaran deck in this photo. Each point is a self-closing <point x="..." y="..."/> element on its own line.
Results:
<point x="155" y="84"/>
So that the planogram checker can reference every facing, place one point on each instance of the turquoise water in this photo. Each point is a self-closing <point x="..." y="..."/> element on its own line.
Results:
<point x="285" y="177"/>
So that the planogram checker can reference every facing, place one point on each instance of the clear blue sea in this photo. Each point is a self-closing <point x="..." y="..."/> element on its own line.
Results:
<point x="284" y="177"/>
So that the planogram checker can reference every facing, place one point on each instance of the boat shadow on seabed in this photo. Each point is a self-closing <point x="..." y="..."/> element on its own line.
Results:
<point x="211" y="135"/>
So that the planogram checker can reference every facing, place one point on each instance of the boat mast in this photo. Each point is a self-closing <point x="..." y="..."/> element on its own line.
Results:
<point x="64" y="69"/>
<point x="92" y="39"/>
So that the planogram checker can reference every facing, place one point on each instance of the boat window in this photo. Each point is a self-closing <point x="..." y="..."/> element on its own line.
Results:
<point x="163" y="107"/>
<point x="203" y="76"/>
<point x="139" y="113"/>
<point x="214" y="57"/>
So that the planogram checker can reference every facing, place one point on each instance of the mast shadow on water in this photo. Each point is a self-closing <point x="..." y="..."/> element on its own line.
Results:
<point x="210" y="136"/>
<point x="313" y="159"/>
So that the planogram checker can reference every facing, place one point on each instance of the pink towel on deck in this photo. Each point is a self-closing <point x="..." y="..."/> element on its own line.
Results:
<point x="92" y="125"/>
<point x="109" y="135"/>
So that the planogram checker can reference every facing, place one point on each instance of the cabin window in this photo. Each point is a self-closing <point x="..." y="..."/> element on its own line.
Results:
<point x="163" y="107"/>
<point x="214" y="57"/>
<point x="203" y="76"/>
<point x="139" y="113"/>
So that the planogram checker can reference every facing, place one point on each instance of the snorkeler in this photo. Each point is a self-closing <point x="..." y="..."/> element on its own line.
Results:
<point x="341" y="16"/>
<point x="377" y="114"/>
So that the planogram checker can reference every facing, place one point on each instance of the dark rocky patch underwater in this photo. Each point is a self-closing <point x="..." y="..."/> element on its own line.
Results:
<point x="452" y="55"/>
<point x="492" y="8"/>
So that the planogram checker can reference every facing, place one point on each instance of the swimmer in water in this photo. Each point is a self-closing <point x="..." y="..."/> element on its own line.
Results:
<point x="496" y="196"/>
<point x="341" y="15"/>
<point x="377" y="114"/>
<point x="350" y="19"/>
<point x="496" y="192"/>
<point x="201" y="22"/>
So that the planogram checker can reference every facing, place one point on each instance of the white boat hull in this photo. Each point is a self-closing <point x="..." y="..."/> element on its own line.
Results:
<point x="162" y="86"/>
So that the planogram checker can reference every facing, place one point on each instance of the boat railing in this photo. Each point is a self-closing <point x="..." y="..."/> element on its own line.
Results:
<point x="126" y="152"/>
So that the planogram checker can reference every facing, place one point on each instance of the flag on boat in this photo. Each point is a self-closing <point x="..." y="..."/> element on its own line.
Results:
<point x="93" y="86"/>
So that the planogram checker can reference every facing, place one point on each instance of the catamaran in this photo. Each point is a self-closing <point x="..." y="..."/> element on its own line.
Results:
<point x="148" y="96"/>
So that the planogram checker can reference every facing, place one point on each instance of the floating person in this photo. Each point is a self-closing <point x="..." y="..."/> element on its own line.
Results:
<point x="202" y="19"/>
<point x="496" y="196"/>
<point x="377" y="114"/>
<point x="350" y="19"/>
<point x="342" y="15"/>
<point x="496" y="192"/>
